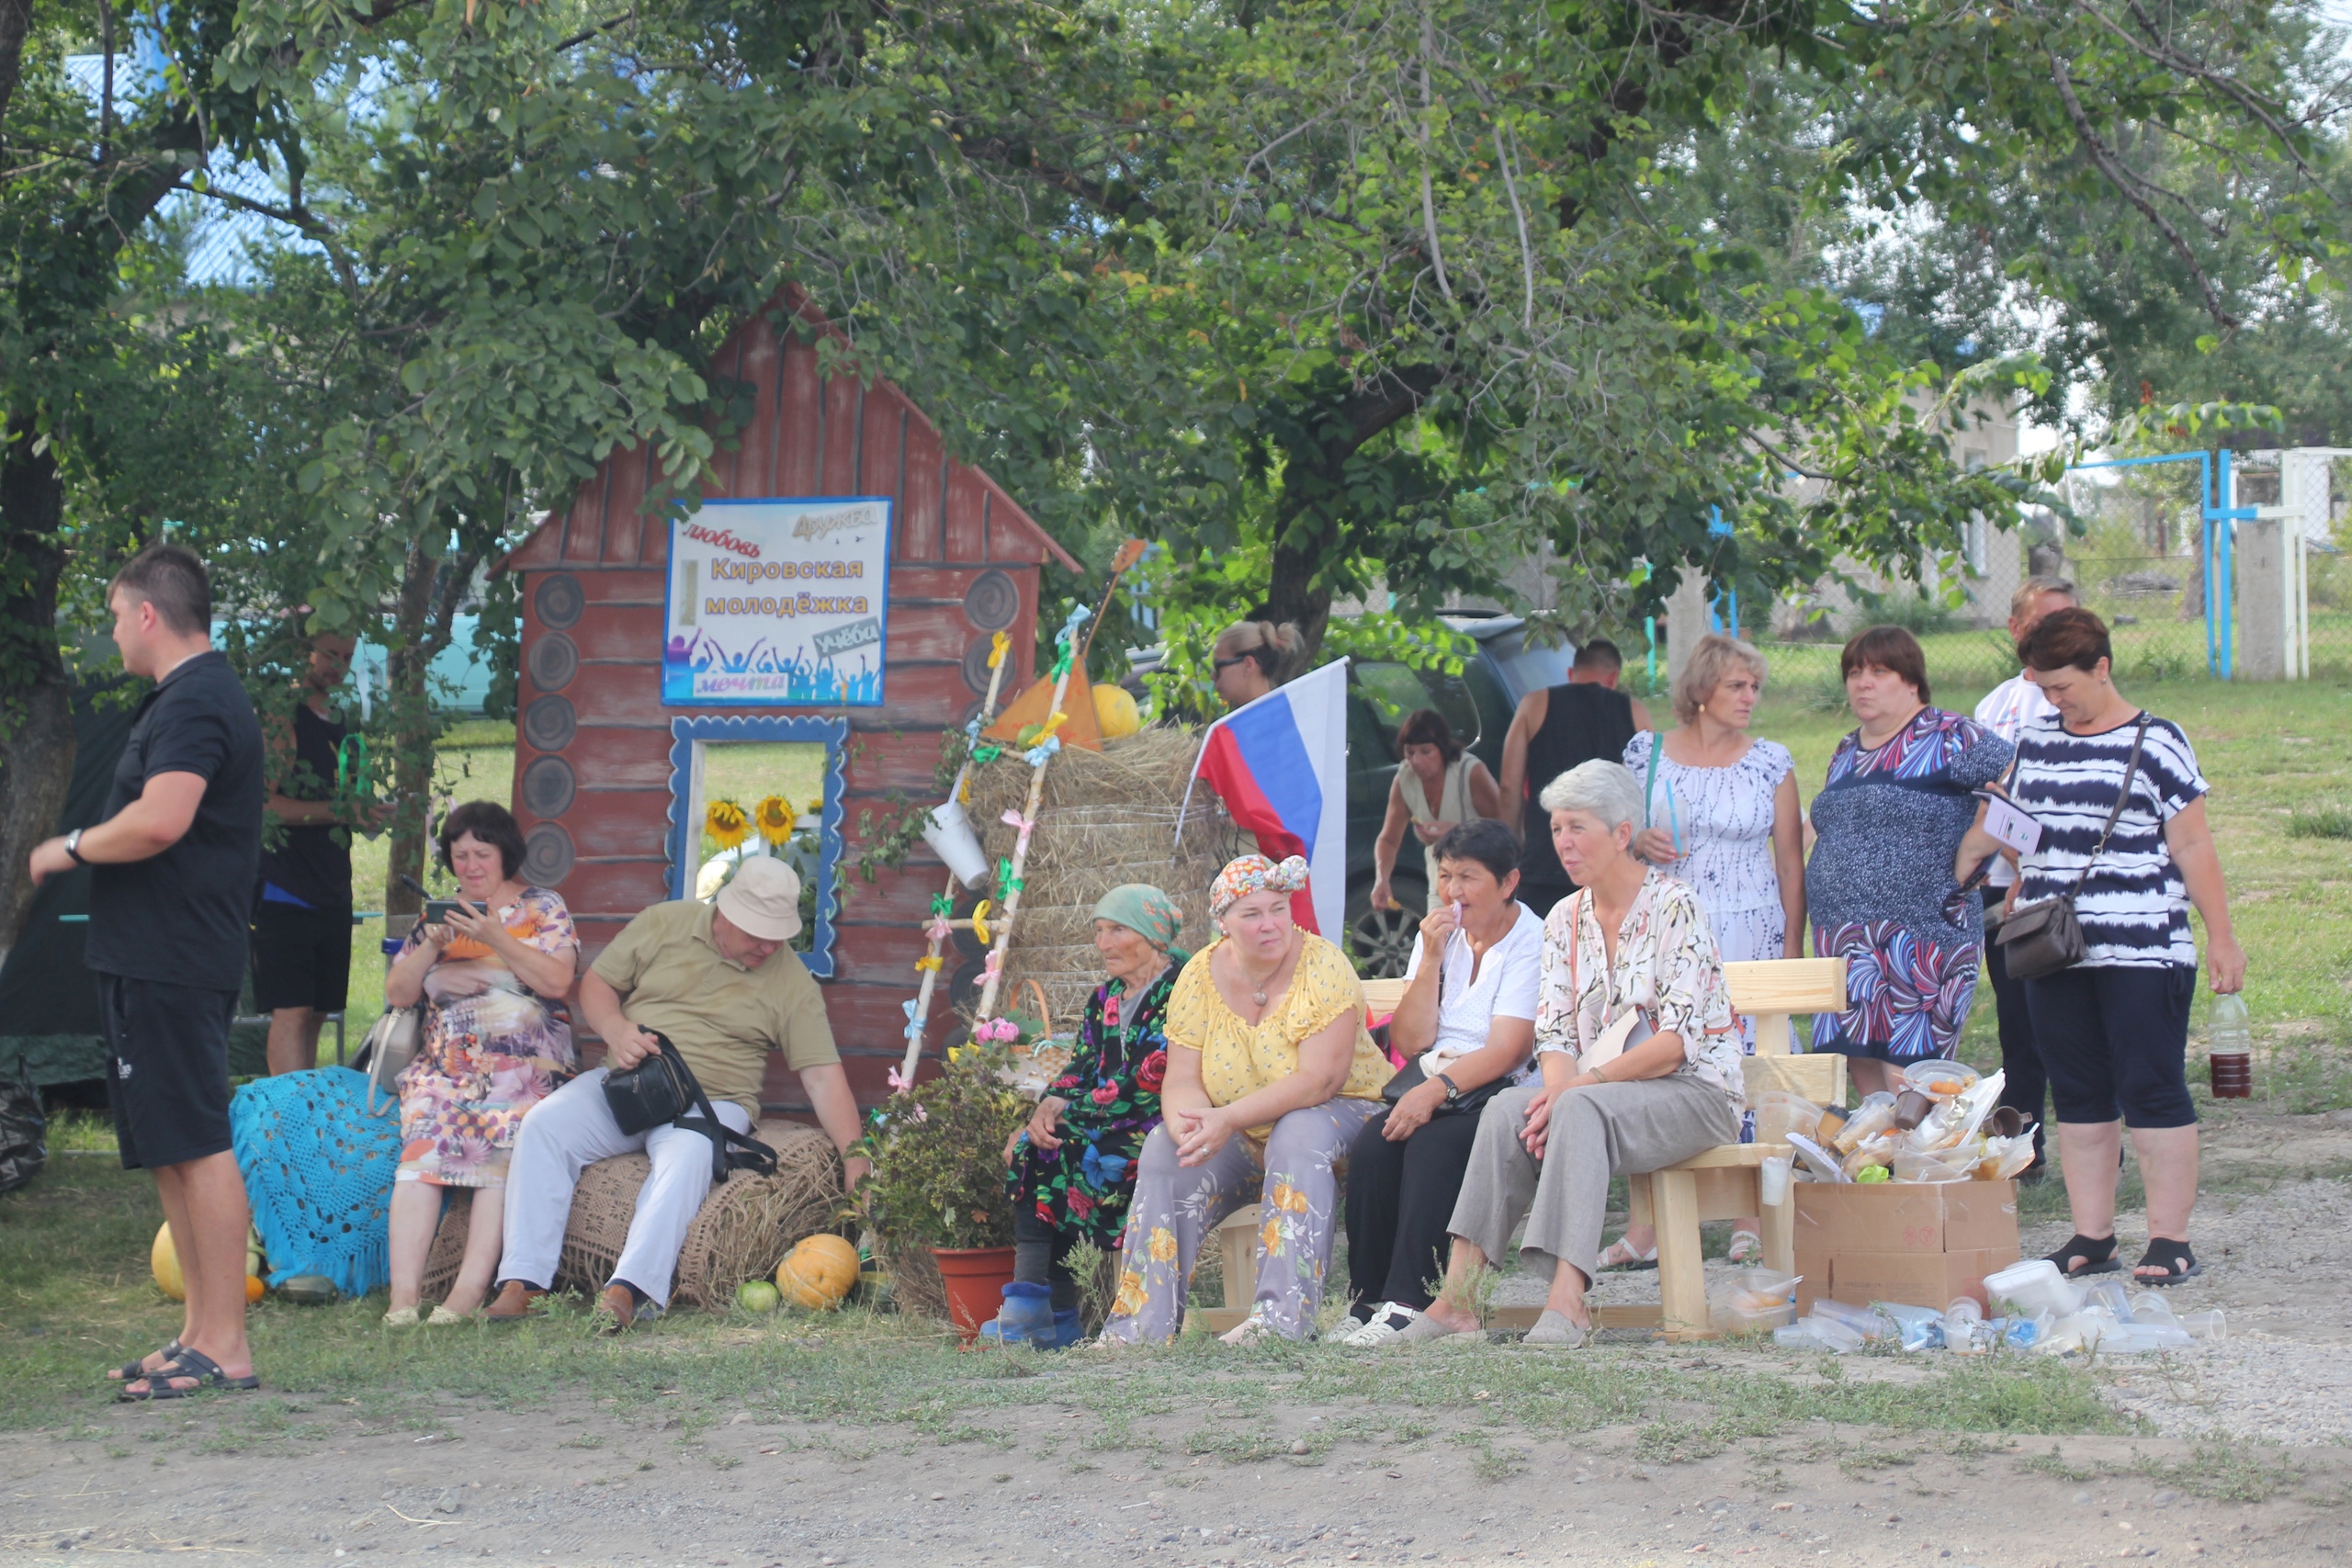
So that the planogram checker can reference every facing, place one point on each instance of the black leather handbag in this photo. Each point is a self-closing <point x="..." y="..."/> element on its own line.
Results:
<point x="663" y="1090"/>
<point x="2040" y="939"/>
<point x="1411" y="1075"/>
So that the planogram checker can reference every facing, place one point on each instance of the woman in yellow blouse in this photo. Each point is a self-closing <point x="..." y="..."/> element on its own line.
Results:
<point x="1271" y="1075"/>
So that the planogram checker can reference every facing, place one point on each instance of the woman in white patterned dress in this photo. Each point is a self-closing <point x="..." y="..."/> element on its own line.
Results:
<point x="1721" y="813"/>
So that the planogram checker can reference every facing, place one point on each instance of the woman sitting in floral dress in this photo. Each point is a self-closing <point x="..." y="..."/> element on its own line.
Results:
<point x="1072" y="1169"/>
<point x="496" y="1041"/>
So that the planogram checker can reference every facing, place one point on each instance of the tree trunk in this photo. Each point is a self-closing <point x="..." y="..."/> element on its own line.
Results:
<point x="36" y="699"/>
<point x="412" y="716"/>
<point x="1292" y="592"/>
<point x="15" y="21"/>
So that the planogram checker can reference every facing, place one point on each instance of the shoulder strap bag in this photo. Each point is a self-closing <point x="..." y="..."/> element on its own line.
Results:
<point x="389" y="1047"/>
<point x="2040" y="939"/>
<point x="663" y="1090"/>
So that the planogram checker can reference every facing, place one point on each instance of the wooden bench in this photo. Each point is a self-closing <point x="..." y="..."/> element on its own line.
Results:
<point x="1723" y="1183"/>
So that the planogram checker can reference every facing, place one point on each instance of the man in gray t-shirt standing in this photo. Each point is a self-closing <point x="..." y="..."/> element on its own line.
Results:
<point x="171" y="892"/>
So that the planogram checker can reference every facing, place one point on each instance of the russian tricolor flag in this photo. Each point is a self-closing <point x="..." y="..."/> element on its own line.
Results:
<point x="1281" y="765"/>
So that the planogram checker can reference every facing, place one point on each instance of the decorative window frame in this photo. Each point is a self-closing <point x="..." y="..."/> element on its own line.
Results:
<point x="834" y="735"/>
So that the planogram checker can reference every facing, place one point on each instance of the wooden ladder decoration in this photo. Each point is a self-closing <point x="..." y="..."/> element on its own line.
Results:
<point x="941" y="928"/>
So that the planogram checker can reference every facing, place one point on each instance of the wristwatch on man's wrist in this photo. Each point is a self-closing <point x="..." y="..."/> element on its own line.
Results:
<point x="1452" y="1090"/>
<point x="73" y="847"/>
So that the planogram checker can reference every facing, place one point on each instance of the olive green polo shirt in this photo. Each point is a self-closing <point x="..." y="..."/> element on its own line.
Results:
<point x="724" y="1019"/>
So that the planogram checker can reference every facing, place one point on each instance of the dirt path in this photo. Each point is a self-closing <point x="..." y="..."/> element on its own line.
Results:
<point x="491" y="1488"/>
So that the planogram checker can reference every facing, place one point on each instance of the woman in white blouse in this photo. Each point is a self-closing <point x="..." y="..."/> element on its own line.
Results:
<point x="1640" y="1059"/>
<point x="1467" y="1019"/>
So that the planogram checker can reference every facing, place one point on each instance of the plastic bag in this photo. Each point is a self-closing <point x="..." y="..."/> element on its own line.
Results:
<point x="23" y="1150"/>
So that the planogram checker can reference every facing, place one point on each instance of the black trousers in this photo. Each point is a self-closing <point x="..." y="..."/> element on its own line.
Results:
<point x="1400" y="1198"/>
<point x="2026" y="1082"/>
<point x="1041" y="1257"/>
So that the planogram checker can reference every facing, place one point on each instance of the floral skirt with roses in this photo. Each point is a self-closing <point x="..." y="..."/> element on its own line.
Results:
<point x="1110" y="1095"/>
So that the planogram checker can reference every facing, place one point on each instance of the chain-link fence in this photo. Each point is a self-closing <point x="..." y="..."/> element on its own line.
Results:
<point x="2137" y="557"/>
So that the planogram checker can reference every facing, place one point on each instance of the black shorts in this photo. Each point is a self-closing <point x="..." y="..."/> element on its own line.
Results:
<point x="167" y="1068"/>
<point x="302" y="958"/>
<point x="2115" y="1040"/>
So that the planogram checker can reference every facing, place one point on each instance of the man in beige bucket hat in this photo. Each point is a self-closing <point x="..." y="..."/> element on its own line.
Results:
<point x="717" y="981"/>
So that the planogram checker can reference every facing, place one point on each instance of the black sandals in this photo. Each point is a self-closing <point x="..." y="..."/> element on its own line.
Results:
<point x="2172" y="1257"/>
<point x="186" y="1364"/>
<point x="2095" y="1256"/>
<point x="132" y="1370"/>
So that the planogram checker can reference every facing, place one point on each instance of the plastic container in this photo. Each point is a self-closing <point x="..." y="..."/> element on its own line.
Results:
<point x="1773" y="1179"/>
<point x="1779" y="1113"/>
<point x="1942" y="1080"/>
<point x="2023" y="1332"/>
<point x="2034" y="1286"/>
<point x="1828" y="1333"/>
<point x="2206" y="1325"/>
<point x="1915" y="1328"/>
<point x="1864" y="1321"/>
<point x="1909" y="1166"/>
<point x="2229" y="1048"/>
<point x="1875" y="1114"/>
<point x="2151" y="1308"/>
<point x="2066" y="1338"/>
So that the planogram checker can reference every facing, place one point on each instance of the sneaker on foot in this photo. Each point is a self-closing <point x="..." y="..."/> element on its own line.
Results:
<point x="1387" y="1324"/>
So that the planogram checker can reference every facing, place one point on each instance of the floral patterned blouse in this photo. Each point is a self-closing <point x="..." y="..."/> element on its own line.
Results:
<point x="492" y="1049"/>
<point x="1665" y="965"/>
<point x="1080" y="1189"/>
<point x="1238" y="1059"/>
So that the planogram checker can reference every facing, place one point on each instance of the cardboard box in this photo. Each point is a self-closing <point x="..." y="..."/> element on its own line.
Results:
<point x="1914" y="1242"/>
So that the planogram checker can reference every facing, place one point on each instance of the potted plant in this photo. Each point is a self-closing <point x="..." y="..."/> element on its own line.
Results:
<point x="937" y="1190"/>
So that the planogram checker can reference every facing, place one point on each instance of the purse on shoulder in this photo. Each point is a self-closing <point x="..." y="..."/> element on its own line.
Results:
<point x="2039" y="940"/>
<point x="389" y="1047"/>
<point x="663" y="1090"/>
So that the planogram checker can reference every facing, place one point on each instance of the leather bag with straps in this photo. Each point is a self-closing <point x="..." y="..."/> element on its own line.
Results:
<point x="662" y="1090"/>
<point x="2042" y="939"/>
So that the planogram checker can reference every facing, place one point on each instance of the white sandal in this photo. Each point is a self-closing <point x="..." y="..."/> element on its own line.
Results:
<point x="401" y="1317"/>
<point x="1617" y="1255"/>
<point x="1746" y="1246"/>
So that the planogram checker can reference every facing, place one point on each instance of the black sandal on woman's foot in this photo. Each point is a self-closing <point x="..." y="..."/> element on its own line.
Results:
<point x="131" y="1371"/>
<point x="2172" y="1257"/>
<point x="2097" y="1255"/>
<point x="186" y="1364"/>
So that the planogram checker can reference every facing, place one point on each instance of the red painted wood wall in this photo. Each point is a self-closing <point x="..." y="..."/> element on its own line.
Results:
<point x="593" y="582"/>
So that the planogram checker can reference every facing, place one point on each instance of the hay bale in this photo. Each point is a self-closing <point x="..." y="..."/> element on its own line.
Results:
<point x="742" y="1230"/>
<point x="916" y="1288"/>
<point x="1107" y="817"/>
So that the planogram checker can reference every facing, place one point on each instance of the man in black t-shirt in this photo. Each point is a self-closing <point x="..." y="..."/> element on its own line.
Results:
<point x="170" y="889"/>
<point x="1555" y="729"/>
<point x="302" y="919"/>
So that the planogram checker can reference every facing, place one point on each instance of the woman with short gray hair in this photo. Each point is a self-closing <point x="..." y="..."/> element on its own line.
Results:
<point x="1640" y="1057"/>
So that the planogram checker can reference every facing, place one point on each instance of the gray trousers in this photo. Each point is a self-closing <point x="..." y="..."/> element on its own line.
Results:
<point x="571" y="1130"/>
<point x="1175" y="1209"/>
<point x="1597" y="1132"/>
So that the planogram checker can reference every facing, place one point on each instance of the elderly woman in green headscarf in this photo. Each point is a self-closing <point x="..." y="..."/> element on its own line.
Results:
<point x="1072" y="1168"/>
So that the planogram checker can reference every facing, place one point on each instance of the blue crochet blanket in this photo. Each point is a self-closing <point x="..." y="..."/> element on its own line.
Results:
<point x="318" y="1171"/>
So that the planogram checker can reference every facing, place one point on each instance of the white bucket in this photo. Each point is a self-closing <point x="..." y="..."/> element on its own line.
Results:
<point x="949" y="833"/>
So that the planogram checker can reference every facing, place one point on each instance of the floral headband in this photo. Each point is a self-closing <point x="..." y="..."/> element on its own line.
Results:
<point x="1253" y="873"/>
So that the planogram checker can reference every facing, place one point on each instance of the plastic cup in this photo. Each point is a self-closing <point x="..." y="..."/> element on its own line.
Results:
<point x="949" y="833"/>
<point x="2206" y="1325"/>
<point x="1772" y="1179"/>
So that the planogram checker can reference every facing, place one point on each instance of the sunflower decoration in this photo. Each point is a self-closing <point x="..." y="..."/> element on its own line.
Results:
<point x="725" y="822"/>
<point x="776" y="818"/>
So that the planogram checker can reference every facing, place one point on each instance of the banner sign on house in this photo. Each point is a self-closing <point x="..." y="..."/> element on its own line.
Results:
<point x="778" y="603"/>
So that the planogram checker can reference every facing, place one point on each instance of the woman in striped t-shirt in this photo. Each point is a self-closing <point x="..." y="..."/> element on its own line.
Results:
<point x="2113" y="1029"/>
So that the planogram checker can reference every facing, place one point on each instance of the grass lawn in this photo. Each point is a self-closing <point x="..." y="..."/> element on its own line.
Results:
<point x="75" y="1298"/>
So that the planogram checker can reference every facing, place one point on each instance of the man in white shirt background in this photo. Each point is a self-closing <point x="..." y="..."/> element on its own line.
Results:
<point x="2007" y="709"/>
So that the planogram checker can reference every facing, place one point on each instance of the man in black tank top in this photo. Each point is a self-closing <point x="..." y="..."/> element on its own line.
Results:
<point x="1553" y="730"/>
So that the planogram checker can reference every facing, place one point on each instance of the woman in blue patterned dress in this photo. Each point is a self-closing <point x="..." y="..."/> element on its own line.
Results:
<point x="1881" y="887"/>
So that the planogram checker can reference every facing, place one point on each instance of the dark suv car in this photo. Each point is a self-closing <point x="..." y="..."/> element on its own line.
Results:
<point x="1478" y="703"/>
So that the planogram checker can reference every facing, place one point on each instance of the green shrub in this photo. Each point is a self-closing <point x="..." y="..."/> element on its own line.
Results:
<point x="938" y="1153"/>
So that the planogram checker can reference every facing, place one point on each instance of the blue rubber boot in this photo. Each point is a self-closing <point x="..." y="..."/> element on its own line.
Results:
<point x="1027" y="1317"/>
<point x="1066" y="1330"/>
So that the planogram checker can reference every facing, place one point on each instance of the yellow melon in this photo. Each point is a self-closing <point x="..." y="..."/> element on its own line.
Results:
<point x="1115" y="712"/>
<point x="818" y="1273"/>
<point x="164" y="1261"/>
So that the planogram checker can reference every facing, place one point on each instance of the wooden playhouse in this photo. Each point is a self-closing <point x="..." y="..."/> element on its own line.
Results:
<point x="632" y="690"/>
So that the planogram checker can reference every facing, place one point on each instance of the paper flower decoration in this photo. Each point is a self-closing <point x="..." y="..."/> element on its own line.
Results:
<point x="725" y="822"/>
<point x="776" y="818"/>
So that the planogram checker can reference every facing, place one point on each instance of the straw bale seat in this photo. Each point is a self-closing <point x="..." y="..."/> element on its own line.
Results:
<point x="742" y="1230"/>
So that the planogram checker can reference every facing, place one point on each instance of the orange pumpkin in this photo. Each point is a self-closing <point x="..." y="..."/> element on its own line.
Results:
<point x="254" y="1287"/>
<point x="818" y="1273"/>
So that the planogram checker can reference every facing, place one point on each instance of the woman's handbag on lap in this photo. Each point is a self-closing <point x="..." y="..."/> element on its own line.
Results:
<point x="2039" y="940"/>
